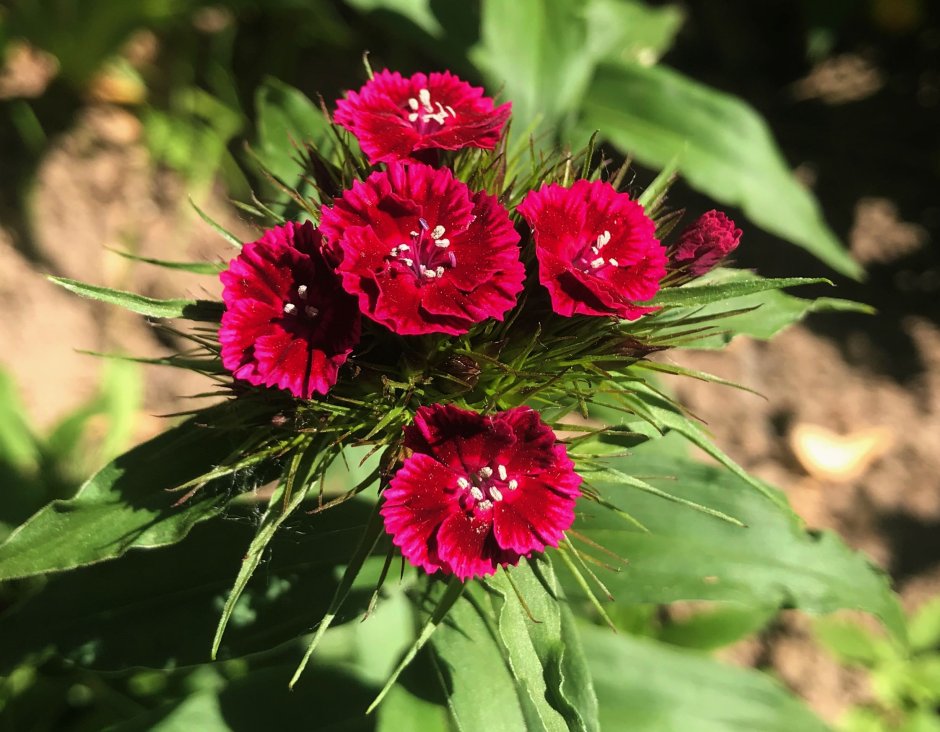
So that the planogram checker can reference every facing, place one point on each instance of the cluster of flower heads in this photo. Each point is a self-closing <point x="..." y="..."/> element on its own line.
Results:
<point x="415" y="250"/>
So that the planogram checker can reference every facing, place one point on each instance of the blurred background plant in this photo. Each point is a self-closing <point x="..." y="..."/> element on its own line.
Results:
<point x="113" y="113"/>
<point x="905" y="685"/>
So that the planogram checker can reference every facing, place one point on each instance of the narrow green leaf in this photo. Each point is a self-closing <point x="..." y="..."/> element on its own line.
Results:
<point x="611" y="475"/>
<point x="291" y="492"/>
<point x="453" y="592"/>
<point x="224" y="233"/>
<point x="720" y="292"/>
<point x="664" y="415"/>
<point x="654" y="194"/>
<point x="727" y="149"/>
<point x="125" y="505"/>
<point x="365" y="547"/>
<point x="203" y="268"/>
<point x="199" y="310"/>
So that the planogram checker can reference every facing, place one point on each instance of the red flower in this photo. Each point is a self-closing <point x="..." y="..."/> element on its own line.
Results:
<point x="394" y="117"/>
<point x="287" y="321"/>
<point x="597" y="250"/>
<point x="422" y="253"/>
<point x="707" y="241"/>
<point x="479" y="492"/>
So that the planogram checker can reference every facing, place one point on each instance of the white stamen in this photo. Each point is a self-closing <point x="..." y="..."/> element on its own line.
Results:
<point x="393" y="252"/>
<point x="311" y="311"/>
<point x="463" y="482"/>
<point x="485" y="505"/>
<point x="595" y="263"/>
<point x="501" y="469"/>
<point x="513" y="484"/>
<point x="413" y="117"/>
<point x="443" y="243"/>
<point x="613" y="262"/>
<point x="438" y="232"/>
<point x="476" y="493"/>
<point x="440" y="271"/>
<point x="414" y="234"/>
<point x="403" y="247"/>
<point x="413" y="103"/>
<point x="407" y="261"/>
<point x="425" y="96"/>
<point x="450" y="111"/>
<point x="289" y="307"/>
<point x="603" y="239"/>
<point x="494" y="492"/>
<point x="486" y="471"/>
<point x="302" y="292"/>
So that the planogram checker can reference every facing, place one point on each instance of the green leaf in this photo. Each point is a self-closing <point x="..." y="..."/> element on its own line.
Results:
<point x="727" y="150"/>
<point x="924" y="626"/>
<point x="18" y="447"/>
<point x="535" y="52"/>
<point x="159" y="608"/>
<point x="544" y="651"/>
<point x="767" y="311"/>
<point x="472" y="669"/>
<point x="200" y="310"/>
<point x="290" y="493"/>
<point x="417" y="11"/>
<point x="258" y="700"/>
<point x="532" y="672"/>
<point x="743" y="283"/>
<point x="124" y="505"/>
<point x="203" y="268"/>
<point x="224" y="233"/>
<point x="286" y="120"/>
<point x="717" y="626"/>
<point x="631" y="31"/>
<point x="687" y="555"/>
<point x="849" y="642"/>
<point x="644" y="685"/>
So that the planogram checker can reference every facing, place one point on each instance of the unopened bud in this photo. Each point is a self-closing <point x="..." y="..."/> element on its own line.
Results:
<point x="706" y="242"/>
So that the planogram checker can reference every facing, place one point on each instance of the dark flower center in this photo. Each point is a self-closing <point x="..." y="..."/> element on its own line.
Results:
<point x="427" y="115"/>
<point x="485" y="487"/>
<point x="591" y="259"/>
<point x="298" y="305"/>
<point x="428" y="253"/>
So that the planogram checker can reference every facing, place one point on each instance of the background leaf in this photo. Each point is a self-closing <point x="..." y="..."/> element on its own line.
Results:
<point x="535" y="51"/>
<point x="159" y="608"/>
<point x="688" y="555"/>
<point x="726" y="149"/>
<point x="124" y="505"/>
<point x="644" y="685"/>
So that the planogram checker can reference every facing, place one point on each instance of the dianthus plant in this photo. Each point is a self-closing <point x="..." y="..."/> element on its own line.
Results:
<point x="440" y="365"/>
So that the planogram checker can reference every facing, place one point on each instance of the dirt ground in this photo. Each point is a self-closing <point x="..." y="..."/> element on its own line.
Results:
<point x="97" y="189"/>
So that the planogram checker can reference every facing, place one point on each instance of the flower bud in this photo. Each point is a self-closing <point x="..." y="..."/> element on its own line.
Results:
<point x="706" y="242"/>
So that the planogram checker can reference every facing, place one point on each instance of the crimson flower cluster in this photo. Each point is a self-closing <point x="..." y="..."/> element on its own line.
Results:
<point x="417" y="252"/>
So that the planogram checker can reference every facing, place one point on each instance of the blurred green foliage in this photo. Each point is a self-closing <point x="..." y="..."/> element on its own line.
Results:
<point x="905" y="682"/>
